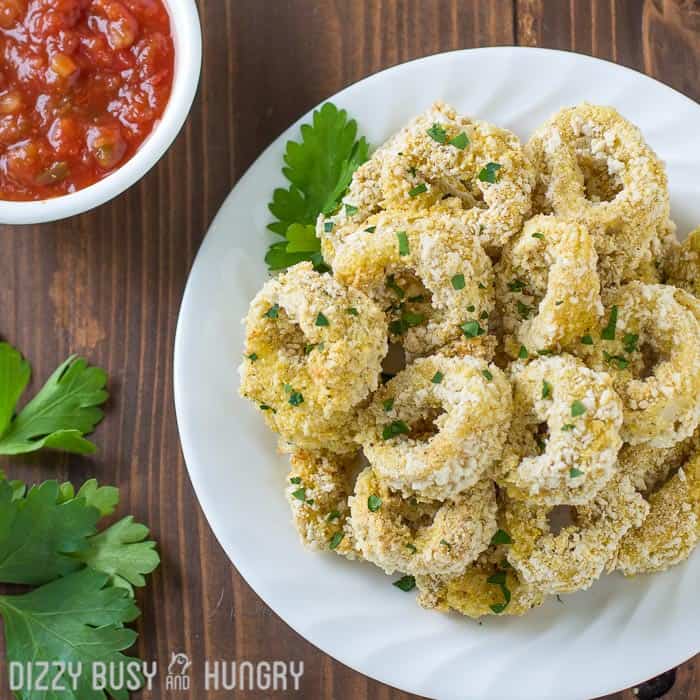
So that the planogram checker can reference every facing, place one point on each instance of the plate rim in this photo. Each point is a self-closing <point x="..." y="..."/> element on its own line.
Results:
<point x="196" y="473"/>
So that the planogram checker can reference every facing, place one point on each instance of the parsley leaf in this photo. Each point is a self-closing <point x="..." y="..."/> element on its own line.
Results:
<point x="437" y="133"/>
<point x="319" y="168"/>
<point x="63" y="411"/>
<point x="489" y="173"/>
<point x="608" y="332"/>
<point x="406" y="583"/>
<point x="75" y="619"/>
<point x="501" y="537"/>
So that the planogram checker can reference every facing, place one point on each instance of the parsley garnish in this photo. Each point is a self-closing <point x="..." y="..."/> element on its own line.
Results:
<point x="406" y="583"/>
<point x="319" y="169"/>
<point x="516" y="285"/>
<point x="472" y="329"/>
<point x="567" y="426"/>
<point x="253" y="356"/>
<point x="587" y="340"/>
<point x="538" y="235"/>
<point x="321" y="320"/>
<point x="374" y="503"/>
<point x="350" y="209"/>
<point x="573" y="472"/>
<point x="487" y="375"/>
<point x="403" y="243"/>
<point x="499" y="579"/>
<point x="630" y="341"/>
<point x="60" y="415"/>
<point x="393" y="429"/>
<point x="609" y="331"/>
<point x="437" y="133"/>
<point x="388" y="404"/>
<point x="296" y="398"/>
<point x="616" y="360"/>
<point x="295" y="480"/>
<point x="471" y="308"/>
<point x="489" y="173"/>
<point x="410" y="546"/>
<point x="265" y="407"/>
<point x="524" y="310"/>
<point x="546" y="389"/>
<point x="328" y="226"/>
<point x="418" y="189"/>
<point x="577" y="409"/>
<point x="352" y="311"/>
<point x="391" y="284"/>
<point x="501" y="537"/>
<point x="273" y="311"/>
<point x="333" y="515"/>
<point x="371" y="229"/>
<point x="458" y="282"/>
<point x="336" y="540"/>
<point x="437" y="377"/>
<point x="300" y="494"/>
<point x="522" y="353"/>
<point x="445" y="543"/>
<point x="460" y="141"/>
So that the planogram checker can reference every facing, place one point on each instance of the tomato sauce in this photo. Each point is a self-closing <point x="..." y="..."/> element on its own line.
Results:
<point x="82" y="84"/>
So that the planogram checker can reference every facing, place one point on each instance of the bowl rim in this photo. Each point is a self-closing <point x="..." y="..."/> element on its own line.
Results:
<point x="187" y="39"/>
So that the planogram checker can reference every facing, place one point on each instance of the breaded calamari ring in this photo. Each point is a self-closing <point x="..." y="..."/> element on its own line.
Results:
<point x="671" y="530"/>
<point x="575" y="557"/>
<point x="464" y="399"/>
<point x="489" y="586"/>
<point x="565" y="436"/>
<point x="417" y="537"/>
<point x="594" y="167"/>
<point x="682" y="264"/>
<point x="650" y="344"/>
<point x="548" y="290"/>
<point x="429" y="274"/>
<point x="318" y="489"/>
<point x="313" y="353"/>
<point x="441" y="153"/>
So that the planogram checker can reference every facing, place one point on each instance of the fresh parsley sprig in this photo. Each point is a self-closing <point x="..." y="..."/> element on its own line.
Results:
<point x="59" y="416"/>
<point x="319" y="168"/>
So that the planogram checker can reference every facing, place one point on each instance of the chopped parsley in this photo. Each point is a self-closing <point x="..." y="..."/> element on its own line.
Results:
<point x="333" y="515"/>
<point x="253" y="356"/>
<point x="460" y="141"/>
<point x="538" y="235"/>
<point x="501" y="537"/>
<point x="524" y="310"/>
<point x="410" y="546"/>
<point x="499" y="579"/>
<point x="328" y="226"/>
<point x="489" y="173"/>
<point x="630" y="341"/>
<point x="567" y="426"/>
<point x="616" y="360"/>
<point x="418" y="299"/>
<point x="350" y="210"/>
<point x="484" y="315"/>
<point x="544" y="352"/>
<point x="391" y="284"/>
<point x="403" y="243"/>
<point x="546" y="389"/>
<point x="577" y="409"/>
<point x="437" y="377"/>
<point x="437" y="133"/>
<point x="522" y="353"/>
<point x="587" y="340"/>
<point x="458" y="282"/>
<point x="388" y="404"/>
<point x="573" y="472"/>
<point x="321" y="320"/>
<point x="472" y="329"/>
<point x="336" y="540"/>
<point x="418" y="189"/>
<point x="393" y="429"/>
<point x="445" y="543"/>
<point x="482" y="286"/>
<point x="296" y="398"/>
<point x="265" y="407"/>
<point x="374" y="503"/>
<point x="471" y="308"/>
<point x="300" y="494"/>
<point x="273" y="311"/>
<point x="352" y="311"/>
<point x="609" y="330"/>
<point x="371" y="229"/>
<point x="487" y="375"/>
<point x="516" y="285"/>
<point x="295" y="480"/>
<point x="406" y="583"/>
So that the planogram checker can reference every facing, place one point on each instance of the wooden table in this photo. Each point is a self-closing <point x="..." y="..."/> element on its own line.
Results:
<point x="108" y="284"/>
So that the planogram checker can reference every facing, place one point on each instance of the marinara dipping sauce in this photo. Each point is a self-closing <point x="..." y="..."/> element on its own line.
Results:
<point x="82" y="84"/>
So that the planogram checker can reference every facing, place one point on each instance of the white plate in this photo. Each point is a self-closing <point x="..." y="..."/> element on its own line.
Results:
<point x="613" y="636"/>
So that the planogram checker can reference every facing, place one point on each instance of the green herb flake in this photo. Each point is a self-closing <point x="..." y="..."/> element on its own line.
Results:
<point x="417" y="299"/>
<point x="546" y="389"/>
<point x="273" y="311"/>
<point x="391" y="284"/>
<point x="300" y="494"/>
<point x="296" y="398"/>
<point x="328" y="226"/>
<point x="308" y="348"/>
<point x="388" y="404"/>
<point x="374" y="503"/>
<point x="406" y="583"/>
<point x="482" y="286"/>
<point x="538" y="235"/>
<point x="253" y="356"/>
<point x="352" y="311"/>
<point x="461" y="141"/>
<point x="411" y="547"/>
<point x="573" y="472"/>
<point x="418" y="189"/>
<point x="437" y="378"/>
<point x="295" y="480"/>
<point x="411" y="320"/>
<point x="567" y="426"/>
<point x="265" y="407"/>
<point x="393" y="429"/>
<point x="609" y="330"/>
<point x="616" y="360"/>
<point x="333" y="515"/>
<point x="321" y="320"/>
<point x="403" y="243"/>
<point x="487" y="375"/>
<point x="501" y="537"/>
<point x="371" y="229"/>
<point x="471" y="308"/>
<point x="336" y="540"/>
<point x="524" y="310"/>
<point x="522" y="353"/>
<point x="587" y="340"/>
<point x="445" y="543"/>
<point x="472" y="329"/>
<point x="458" y="282"/>
<point x="489" y="173"/>
<point x="437" y="133"/>
<point x="577" y="409"/>
<point x="630" y="341"/>
<point x="484" y="315"/>
<point x="350" y="210"/>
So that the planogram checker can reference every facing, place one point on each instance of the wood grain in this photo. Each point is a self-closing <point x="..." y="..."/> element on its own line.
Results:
<point x="108" y="284"/>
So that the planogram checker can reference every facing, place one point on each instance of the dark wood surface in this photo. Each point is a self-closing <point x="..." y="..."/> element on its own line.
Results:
<point x="108" y="284"/>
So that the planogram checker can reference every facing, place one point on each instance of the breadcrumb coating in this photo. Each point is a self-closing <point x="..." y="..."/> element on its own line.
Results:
<point x="575" y="557"/>
<point x="565" y="435"/>
<point x="419" y="537"/>
<point x="682" y="264"/>
<point x="594" y="167"/>
<point x="478" y="592"/>
<point x="548" y="290"/>
<point x="310" y="360"/>
<point x="671" y="530"/>
<point x="318" y="489"/>
<point x="649" y="345"/>
<point x="426" y="271"/>
<point x="437" y="426"/>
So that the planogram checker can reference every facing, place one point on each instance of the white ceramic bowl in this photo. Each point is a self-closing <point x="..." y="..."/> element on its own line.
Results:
<point x="187" y="39"/>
